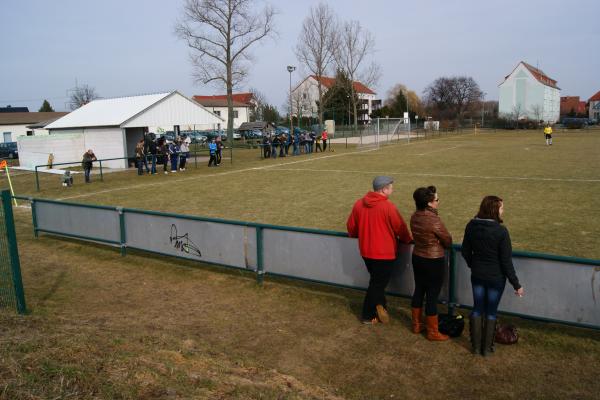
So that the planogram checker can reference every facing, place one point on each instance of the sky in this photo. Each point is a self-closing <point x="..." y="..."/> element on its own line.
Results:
<point x="128" y="47"/>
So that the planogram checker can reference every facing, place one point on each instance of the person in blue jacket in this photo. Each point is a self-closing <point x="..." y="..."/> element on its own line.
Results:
<point x="174" y="155"/>
<point x="212" y="149"/>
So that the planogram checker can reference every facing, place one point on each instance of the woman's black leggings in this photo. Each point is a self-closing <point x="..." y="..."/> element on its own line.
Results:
<point x="429" y="278"/>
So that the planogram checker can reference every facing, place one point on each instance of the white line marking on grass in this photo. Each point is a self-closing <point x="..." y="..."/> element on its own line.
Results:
<point x="171" y="181"/>
<point x="522" y="178"/>
<point x="435" y="151"/>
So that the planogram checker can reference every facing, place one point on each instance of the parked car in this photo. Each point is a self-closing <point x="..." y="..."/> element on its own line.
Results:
<point x="9" y="150"/>
<point x="252" y="134"/>
<point x="169" y="136"/>
<point x="195" y="136"/>
<point x="282" y="129"/>
<point x="210" y="135"/>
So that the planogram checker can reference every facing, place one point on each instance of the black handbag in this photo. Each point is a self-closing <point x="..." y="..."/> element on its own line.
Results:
<point x="451" y="325"/>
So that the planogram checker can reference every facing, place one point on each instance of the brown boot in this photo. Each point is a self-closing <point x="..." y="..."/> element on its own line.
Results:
<point x="417" y="321"/>
<point x="432" y="329"/>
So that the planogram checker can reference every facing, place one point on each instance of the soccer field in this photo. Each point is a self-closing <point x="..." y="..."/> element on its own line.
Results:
<point x="550" y="192"/>
<point x="150" y="327"/>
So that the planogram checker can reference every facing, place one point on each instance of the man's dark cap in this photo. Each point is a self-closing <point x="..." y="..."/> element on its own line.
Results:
<point x="381" y="181"/>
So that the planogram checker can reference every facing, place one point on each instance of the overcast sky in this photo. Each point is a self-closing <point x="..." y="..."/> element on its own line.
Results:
<point x="127" y="47"/>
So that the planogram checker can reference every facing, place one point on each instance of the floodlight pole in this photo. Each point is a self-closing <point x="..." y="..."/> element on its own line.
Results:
<point x="482" y="108"/>
<point x="408" y="112"/>
<point x="291" y="69"/>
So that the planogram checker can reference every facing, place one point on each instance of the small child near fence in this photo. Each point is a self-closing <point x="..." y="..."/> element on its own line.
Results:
<point x="67" y="179"/>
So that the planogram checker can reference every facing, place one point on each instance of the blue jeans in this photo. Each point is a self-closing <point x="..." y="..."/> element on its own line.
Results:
<point x="87" y="172"/>
<point x="296" y="151"/>
<point x="486" y="297"/>
<point x="153" y="170"/>
<point x="145" y="161"/>
<point x="174" y="158"/>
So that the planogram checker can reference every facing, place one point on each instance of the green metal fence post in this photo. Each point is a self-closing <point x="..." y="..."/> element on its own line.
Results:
<point x="34" y="217"/>
<point x="13" y="251"/>
<point x="123" y="235"/>
<point x="101" y="177"/>
<point x="37" y="179"/>
<point x="260" y="271"/>
<point x="452" y="282"/>
<point x="196" y="158"/>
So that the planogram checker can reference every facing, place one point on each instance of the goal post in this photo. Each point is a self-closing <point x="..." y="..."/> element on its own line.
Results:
<point x="393" y="130"/>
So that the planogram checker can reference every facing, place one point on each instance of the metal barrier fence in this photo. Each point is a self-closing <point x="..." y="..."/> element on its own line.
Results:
<point x="11" y="285"/>
<point x="193" y="154"/>
<point x="559" y="289"/>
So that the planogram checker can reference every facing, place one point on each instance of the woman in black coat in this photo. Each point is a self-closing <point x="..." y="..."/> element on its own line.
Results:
<point x="488" y="252"/>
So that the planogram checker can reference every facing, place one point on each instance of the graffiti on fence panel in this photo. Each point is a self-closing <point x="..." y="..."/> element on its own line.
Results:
<point x="183" y="243"/>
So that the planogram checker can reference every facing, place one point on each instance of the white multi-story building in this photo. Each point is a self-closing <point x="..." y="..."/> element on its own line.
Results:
<point x="594" y="104"/>
<point x="306" y="95"/>
<point x="242" y="104"/>
<point x="527" y="92"/>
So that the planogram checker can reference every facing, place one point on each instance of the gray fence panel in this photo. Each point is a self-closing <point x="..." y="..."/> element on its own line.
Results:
<point x="79" y="221"/>
<point x="323" y="258"/>
<point x="553" y="289"/>
<point x="213" y="242"/>
<point x="330" y="259"/>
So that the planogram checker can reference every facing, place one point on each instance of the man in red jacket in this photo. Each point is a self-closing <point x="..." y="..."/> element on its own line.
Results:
<point x="378" y="225"/>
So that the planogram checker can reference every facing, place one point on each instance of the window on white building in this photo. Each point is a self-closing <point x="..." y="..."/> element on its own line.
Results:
<point x="235" y="114"/>
<point x="217" y="113"/>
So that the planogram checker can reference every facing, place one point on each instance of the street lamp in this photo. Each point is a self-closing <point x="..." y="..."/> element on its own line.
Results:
<point x="348" y="97"/>
<point x="482" y="107"/>
<point x="291" y="69"/>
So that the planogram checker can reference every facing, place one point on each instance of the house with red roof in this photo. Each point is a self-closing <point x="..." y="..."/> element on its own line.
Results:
<point x="529" y="93"/>
<point x="242" y="104"/>
<point x="306" y="95"/>
<point x="594" y="107"/>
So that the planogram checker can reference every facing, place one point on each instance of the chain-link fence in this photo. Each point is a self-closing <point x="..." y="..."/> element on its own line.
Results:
<point x="11" y="285"/>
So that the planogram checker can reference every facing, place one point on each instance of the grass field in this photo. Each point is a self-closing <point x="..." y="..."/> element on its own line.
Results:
<point x="146" y="327"/>
<point x="550" y="192"/>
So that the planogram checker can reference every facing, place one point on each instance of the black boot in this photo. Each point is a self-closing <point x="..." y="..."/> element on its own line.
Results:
<point x="475" y="326"/>
<point x="489" y="335"/>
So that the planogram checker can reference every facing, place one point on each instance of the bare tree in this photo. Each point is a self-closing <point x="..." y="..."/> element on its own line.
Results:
<point x="301" y="103"/>
<point x="259" y="101"/>
<point x="537" y="112"/>
<point x="465" y="92"/>
<point x="316" y="43"/>
<point x="353" y="47"/>
<point x="81" y="95"/>
<point x="219" y="33"/>
<point x="451" y="97"/>
<point x="516" y="113"/>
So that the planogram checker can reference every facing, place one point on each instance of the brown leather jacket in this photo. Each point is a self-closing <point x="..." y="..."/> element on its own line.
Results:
<point x="430" y="235"/>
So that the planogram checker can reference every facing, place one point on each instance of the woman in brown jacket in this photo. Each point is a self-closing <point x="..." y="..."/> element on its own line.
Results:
<point x="428" y="259"/>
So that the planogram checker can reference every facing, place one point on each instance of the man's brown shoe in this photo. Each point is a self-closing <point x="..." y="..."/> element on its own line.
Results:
<point x="382" y="314"/>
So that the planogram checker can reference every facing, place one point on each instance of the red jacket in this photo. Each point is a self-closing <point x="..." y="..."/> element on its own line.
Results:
<point x="377" y="224"/>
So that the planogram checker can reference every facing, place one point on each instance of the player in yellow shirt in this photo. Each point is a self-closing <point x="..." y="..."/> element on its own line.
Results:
<point x="548" y="134"/>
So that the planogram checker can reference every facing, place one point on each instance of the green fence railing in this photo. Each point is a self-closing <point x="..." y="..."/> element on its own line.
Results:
<point x="11" y="285"/>
<point x="261" y="271"/>
<point x="193" y="154"/>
